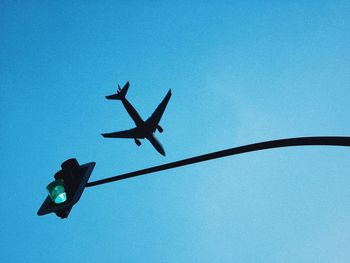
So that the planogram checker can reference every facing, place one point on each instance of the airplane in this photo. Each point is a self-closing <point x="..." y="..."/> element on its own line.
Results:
<point x="143" y="129"/>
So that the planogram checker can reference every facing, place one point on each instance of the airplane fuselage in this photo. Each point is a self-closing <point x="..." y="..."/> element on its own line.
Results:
<point x="133" y="113"/>
<point x="140" y="123"/>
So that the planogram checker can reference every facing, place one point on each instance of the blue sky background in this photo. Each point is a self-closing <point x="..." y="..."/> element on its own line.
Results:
<point x="241" y="72"/>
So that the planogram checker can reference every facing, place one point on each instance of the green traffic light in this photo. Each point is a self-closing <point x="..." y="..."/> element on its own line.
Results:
<point x="57" y="192"/>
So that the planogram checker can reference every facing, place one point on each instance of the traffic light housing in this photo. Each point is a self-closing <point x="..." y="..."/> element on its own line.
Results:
<point x="67" y="188"/>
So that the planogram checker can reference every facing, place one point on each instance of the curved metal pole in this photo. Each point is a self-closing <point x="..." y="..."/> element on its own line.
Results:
<point x="302" y="141"/>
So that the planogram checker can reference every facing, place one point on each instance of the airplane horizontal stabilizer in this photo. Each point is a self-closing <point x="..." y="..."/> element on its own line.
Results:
<point x="121" y="93"/>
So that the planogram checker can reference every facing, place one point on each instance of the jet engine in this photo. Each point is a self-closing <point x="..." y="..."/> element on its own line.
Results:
<point x="160" y="129"/>
<point x="138" y="142"/>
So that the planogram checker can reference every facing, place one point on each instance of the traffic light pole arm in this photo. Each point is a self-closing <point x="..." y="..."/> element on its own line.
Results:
<point x="302" y="141"/>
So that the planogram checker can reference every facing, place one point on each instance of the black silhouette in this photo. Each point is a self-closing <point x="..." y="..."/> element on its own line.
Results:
<point x="75" y="177"/>
<point x="143" y="129"/>
<point x="301" y="141"/>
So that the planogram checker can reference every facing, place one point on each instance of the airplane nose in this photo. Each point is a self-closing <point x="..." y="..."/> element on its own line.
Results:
<point x="156" y="144"/>
<point x="161" y="150"/>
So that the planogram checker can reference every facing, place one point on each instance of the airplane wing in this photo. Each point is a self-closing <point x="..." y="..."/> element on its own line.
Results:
<point x="134" y="133"/>
<point x="153" y="121"/>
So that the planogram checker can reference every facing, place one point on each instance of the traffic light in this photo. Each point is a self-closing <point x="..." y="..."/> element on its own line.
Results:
<point x="67" y="188"/>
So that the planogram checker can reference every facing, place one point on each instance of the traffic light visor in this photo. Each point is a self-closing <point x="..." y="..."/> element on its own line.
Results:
<point x="57" y="192"/>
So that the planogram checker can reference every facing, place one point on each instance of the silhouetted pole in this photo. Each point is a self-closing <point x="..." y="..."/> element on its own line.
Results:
<point x="302" y="141"/>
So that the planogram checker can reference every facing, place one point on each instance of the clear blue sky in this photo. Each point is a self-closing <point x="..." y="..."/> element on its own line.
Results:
<point x="241" y="72"/>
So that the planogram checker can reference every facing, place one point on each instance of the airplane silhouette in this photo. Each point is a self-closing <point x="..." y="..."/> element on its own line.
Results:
<point x="143" y="129"/>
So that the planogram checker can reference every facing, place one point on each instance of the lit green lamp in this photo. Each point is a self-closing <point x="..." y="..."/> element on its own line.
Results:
<point x="57" y="192"/>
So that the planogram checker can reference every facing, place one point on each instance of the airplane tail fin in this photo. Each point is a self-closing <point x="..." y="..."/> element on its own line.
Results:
<point x="121" y="93"/>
